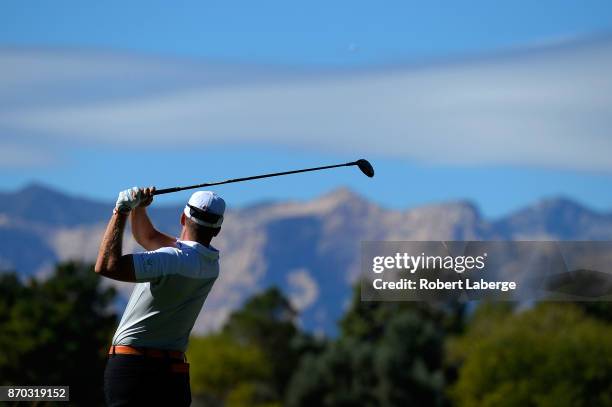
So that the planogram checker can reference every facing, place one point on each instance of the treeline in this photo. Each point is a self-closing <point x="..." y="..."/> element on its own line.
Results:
<point x="57" y="331"/>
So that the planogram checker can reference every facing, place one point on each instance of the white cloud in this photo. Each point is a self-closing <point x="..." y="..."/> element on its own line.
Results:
<point x="549" y="107"/>
<point x="23" y="156"/>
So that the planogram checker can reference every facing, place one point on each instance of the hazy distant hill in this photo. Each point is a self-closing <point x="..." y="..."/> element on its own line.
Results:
<point x="310" y="249"/>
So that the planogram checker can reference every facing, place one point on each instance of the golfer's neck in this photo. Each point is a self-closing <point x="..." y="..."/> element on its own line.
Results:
<point x="185" y="235"/>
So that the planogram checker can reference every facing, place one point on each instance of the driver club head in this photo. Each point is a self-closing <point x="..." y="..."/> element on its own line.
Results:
<point x="365" y="167"/>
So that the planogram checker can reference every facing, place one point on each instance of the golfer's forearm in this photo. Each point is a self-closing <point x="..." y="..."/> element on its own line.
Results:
<point x="145" y="233"/>
<point x="142" y="228"/>
<point x="109" y="254"/>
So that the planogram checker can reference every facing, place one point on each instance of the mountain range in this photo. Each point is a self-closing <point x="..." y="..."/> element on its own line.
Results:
<point x="309" y="249"/>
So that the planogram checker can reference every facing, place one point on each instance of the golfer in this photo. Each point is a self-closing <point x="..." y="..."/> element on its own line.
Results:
<point x="146" y="363"/>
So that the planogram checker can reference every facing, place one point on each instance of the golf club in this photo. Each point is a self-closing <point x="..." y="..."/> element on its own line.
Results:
<point x="363" y="165"/>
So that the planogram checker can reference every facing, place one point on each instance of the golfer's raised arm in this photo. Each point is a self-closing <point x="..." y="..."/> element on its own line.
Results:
<point x="143" y="230"/>
<point x="110" y="262"/>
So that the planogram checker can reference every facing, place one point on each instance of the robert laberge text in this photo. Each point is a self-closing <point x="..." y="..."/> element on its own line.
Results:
<point x="437" y="284"/>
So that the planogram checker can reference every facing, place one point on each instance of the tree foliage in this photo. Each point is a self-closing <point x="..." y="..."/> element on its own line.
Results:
<point x="267" y="321"/>
<point x="219" y="365"/>
<point x="56" y="331"/>
<point x="251" y="360"/>
<point x="388" y="354"/>
<point x="551" y="355"/>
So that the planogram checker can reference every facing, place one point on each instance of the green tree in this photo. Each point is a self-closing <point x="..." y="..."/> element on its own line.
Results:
<point x="551" y="355"/>
<point x="248" y="394"/>
<point x="267" y="322"/>
<point x="251" y="360"/>
<point x="220" y="365"/>
<point x="408" y="362"/>
<point x="388" y="354"/>
<point x="368" y="320"/>
<point x="342" y="375"/>
<point x="55" y="332"/>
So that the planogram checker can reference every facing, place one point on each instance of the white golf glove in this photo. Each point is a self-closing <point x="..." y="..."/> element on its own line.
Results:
<point x="128" y="199"/>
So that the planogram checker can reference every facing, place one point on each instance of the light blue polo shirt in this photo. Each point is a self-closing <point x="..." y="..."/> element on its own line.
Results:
<point x="173" y="283"/>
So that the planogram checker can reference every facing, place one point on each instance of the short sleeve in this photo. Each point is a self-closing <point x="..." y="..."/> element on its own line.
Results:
<point x="150" y="266"/>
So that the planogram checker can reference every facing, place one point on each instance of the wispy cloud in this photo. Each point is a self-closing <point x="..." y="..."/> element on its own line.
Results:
<point x="19" y="156"/>
<point x="549" y="107"/>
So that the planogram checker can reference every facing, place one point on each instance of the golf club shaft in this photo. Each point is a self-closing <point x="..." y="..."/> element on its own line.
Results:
<point x="229" y="181"/>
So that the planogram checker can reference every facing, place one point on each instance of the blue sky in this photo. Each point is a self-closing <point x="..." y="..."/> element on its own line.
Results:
<point x="307" y="32"/>
<point x="84" y="87"/>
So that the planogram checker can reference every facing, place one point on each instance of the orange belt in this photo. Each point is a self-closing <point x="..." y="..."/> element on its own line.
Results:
<point x="150" y="352"/>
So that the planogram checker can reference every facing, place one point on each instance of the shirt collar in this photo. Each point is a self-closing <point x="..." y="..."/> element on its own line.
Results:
<point x="209" y="251"/>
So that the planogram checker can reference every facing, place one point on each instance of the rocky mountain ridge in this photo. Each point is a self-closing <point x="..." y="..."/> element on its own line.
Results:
<point x="310" y="249"/>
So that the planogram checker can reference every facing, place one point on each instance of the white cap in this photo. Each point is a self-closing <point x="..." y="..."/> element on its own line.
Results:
<point x="205" y="208"/>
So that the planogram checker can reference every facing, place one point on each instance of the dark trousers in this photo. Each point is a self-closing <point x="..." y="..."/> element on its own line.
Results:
<point x="133" y="380"/>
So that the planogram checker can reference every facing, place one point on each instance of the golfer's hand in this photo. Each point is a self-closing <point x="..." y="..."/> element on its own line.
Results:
<point x="129" y="199"/>
<point x="147" y="197"/>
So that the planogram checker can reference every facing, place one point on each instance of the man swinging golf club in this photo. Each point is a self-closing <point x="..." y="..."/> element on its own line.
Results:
<point x="146" y="364"/>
